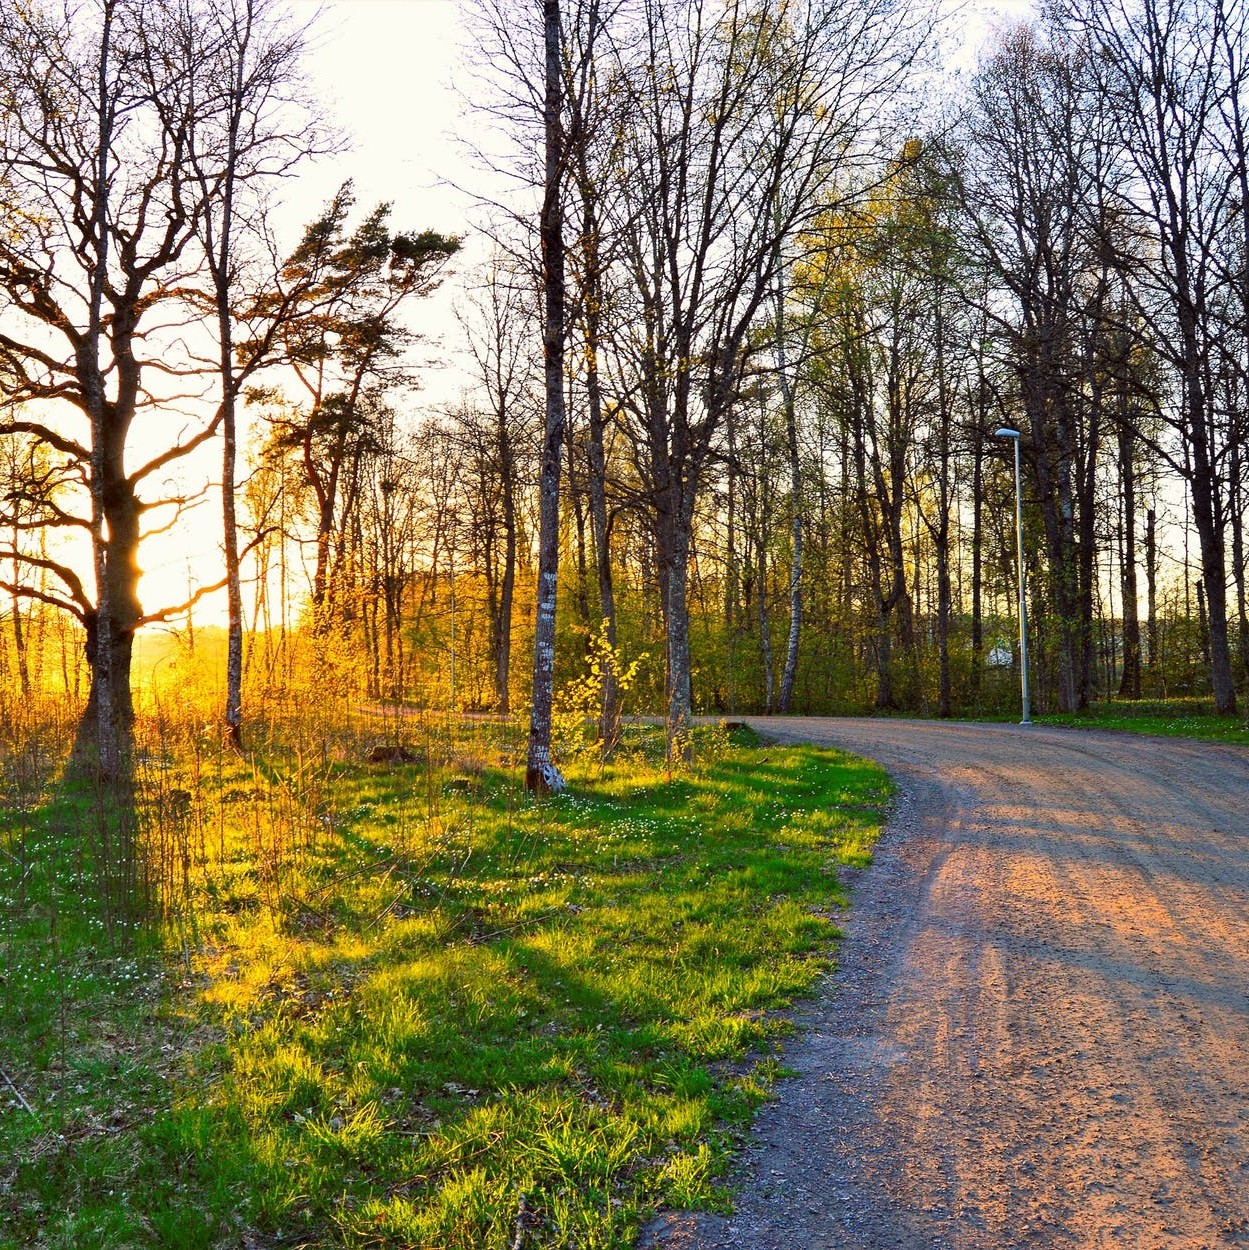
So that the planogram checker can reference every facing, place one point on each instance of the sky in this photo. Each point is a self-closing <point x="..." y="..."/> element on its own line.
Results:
<point x="384" y="70"/>
<point x="388" y="72"/>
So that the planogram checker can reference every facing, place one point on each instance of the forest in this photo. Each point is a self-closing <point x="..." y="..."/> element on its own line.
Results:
<point x="768" y="284"/>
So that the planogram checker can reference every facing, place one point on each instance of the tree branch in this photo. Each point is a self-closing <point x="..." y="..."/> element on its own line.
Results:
<point x="29" y="592"/>
<point x="163" y="615"/>
<point x="47" y="435"/>
<point x="73" y="582"/>
<point x="178" y="450"/>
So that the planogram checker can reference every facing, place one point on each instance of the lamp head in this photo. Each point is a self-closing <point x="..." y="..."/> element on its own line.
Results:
<point x="1005" y="433"/>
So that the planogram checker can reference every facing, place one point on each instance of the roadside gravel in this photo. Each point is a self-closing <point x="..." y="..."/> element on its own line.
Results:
<point x="1038" y="1033"/>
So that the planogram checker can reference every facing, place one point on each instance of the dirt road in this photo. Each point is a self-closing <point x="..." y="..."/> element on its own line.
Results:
<point x="1039" y="1032"/>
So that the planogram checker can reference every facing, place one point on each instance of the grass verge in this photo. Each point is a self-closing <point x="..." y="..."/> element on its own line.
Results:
<point x="1171" y="718"/>
<point x="413" y="1007"/>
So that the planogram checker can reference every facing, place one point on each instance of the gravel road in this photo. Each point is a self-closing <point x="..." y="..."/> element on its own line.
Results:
<point x="1038" y="1034"/>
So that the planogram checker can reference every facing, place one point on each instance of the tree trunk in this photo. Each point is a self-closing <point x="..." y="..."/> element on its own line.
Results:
<point x="104" y="741"/>
<point x="674" y="554"/>
<point x="941" y="532"/>
<point x="19" y="631"/>
<point x="761" y="607"/>
<point x="321" y="568"/>
<point x="1151" y="589"/>
<point x="795" y="514"/>
<point x="609" y="699"/>
<point x="1214" y="572"/>
<point x="1203" y="627"/>
<point x="1086" y="575"/>
<point x="977" y="562"/>
<point x="220" y="255"/>
<point x="874" y="542"/>
<point x="583" y="103"/>
<point x="1086" y="547"/>
<point x="230" y="533"/>
<point x="105" y="738"/>
<point x="732" y="579"/>
<point x="579" y="528"/>
<point x="541" y="774"/>
<point x="1236" y="505"/>
<point x="507" y="589"/>
<point x="1051" y="465"/>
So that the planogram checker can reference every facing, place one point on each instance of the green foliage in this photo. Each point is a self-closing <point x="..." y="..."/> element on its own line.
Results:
<point x="413" y="1006"/>
<point x="580" y="723"/>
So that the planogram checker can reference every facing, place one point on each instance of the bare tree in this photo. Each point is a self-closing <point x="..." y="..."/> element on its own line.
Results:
<point x="1173" y="72"/>
<point x="595" y="138"/>
<point x="496" y="324"/>
<point x="236" y="109"/>
<point x="97" y="234"/>
<point x="1030" y="192"/>
<point x="257" y="128"/>
<point x="541" y="774"/>
<point x="33" y="483"/>
<point x="739" y="122"/>
<point x="393" y="503"/>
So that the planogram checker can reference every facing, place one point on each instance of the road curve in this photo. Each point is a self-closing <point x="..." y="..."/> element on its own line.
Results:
<point x="1038" y="1034"/>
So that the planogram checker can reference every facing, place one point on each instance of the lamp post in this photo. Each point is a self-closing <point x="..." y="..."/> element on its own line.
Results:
<point x="1014" y="436"/>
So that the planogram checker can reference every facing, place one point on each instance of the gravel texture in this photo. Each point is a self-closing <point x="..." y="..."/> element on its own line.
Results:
<point x="1038" y="1034"/>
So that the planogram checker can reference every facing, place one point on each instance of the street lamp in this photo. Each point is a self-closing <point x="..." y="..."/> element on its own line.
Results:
<point x="1014" y="436"/>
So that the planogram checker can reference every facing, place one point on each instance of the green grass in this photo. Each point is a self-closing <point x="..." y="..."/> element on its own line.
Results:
<point x="1172" y="718"/>
<point x="86" y="1046"/>
<point x="408" y="1011"/>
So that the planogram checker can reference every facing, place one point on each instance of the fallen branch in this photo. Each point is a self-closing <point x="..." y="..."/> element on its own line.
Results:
<point x="17" y="1093"/>
<point x="521" y="1215"/>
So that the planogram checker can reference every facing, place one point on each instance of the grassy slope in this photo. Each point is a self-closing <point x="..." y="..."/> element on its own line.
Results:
<point x="413" y="1016"/>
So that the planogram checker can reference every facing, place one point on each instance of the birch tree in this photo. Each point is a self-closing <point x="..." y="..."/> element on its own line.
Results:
<point x="541" y="773"/>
